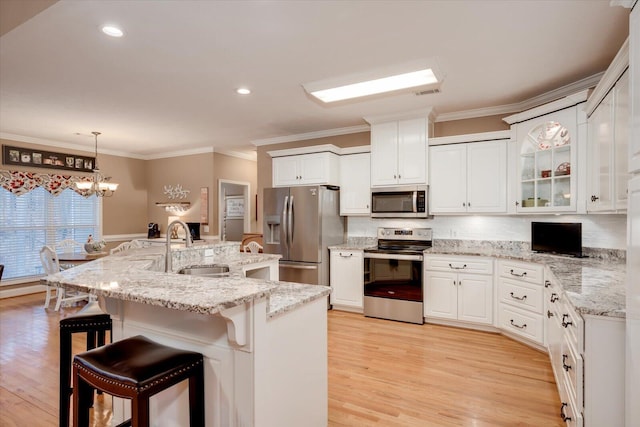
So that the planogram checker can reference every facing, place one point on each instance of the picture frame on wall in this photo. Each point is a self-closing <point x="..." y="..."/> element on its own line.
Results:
<point x="21" y="156"/>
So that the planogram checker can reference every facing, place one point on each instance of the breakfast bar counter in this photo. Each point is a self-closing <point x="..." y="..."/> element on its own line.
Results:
<point x="264" y="341"/>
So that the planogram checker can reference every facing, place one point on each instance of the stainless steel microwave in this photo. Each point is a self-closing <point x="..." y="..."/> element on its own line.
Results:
<point x="407" y="201"/>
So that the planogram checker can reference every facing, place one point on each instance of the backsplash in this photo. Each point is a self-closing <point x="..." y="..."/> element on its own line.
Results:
<point x="598" y="231"/>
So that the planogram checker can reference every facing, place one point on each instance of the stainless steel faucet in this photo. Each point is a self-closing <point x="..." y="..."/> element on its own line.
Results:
<point x="167" y="263"/>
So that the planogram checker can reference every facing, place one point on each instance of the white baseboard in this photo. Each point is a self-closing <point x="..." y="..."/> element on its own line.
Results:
<point x="22" y="290"/>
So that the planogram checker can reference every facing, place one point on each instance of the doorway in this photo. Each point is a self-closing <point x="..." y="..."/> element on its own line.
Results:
<point x="234" y="207"/>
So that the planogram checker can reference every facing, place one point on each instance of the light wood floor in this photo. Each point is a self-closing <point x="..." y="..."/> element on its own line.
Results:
<point x="381" y="373"/>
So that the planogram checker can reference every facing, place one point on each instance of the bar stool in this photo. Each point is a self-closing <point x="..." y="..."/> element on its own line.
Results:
<point x="136" y="368"/>
<point x="95" y="322"/>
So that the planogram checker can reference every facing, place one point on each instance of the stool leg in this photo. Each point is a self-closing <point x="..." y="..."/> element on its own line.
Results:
<point x="140" y="411"/>
<point x="65" y="377"/>
<point x="196" y="398"/>
<point x="82" y="393"/>
<point x="100" y="342"/>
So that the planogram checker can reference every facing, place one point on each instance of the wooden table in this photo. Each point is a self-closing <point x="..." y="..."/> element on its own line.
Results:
<point x="75" y="258"/>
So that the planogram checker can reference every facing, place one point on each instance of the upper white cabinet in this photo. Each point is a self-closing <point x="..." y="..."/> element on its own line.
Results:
<point x="608" y="150"/>
<point x="399" y="152"/>
<point x="547" y="166"/>
<point x="290" y="168"/>
<point x="355" y="184"/>
<point x="468" y="177"/>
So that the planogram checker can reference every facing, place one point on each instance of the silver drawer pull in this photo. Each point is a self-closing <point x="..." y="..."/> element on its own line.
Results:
<point x="518" y="275"/>
<point x="458" y="268"/>
<point x="564" y="365"/>
<point x="522" y="298"/>
<point x="345" y="256"/>
<point x="518" y="326"/>
<point x="564" y="322"/>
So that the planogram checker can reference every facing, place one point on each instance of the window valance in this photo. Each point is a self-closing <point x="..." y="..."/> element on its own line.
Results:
<point x="18" y="182"/>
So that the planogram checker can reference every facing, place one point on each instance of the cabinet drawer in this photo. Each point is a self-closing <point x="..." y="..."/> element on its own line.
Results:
<point x="459" y="264"/>
<point x="572" y="324"/>
<point x="525" y="271"/>
<point x="521" y="322"/>
<point x="572" y="370"/>
<point x="521" y="294"/>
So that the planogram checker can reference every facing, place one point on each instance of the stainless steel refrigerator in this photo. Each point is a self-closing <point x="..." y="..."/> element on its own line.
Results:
<point x="300" y="223"/>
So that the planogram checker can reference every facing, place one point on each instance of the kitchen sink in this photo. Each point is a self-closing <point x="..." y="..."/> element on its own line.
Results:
<point x="214" y="270"/>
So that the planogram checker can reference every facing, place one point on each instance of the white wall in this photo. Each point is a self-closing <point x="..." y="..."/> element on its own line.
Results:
<point x="598" y="231"/>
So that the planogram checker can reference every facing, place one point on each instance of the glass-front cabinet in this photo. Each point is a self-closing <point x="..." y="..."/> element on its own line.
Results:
<point x="546" y="163"/>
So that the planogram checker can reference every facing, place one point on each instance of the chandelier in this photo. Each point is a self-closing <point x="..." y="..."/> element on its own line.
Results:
<point x="100" y="186"/>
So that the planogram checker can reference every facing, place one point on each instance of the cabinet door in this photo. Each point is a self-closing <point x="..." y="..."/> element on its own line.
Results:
<point x="346" y="272"/>
<point x="412" y="151"/>
<point x="448" y="177"/>
<point x="475" y="298"/>
<point x="384" y="154"/>
<point x="285" y="171"/>
<point x="487" y="177"/>
<point x="313" y="168"/>
<point x="621" y="144"/>
<point x="600" y="163"/>
<point x="547" y="162"/>
<point x="440" y="295"/>
<point x="355" y="183"/>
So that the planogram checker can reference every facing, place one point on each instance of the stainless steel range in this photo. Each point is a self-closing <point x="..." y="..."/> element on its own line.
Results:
<point x="393" y="274"/>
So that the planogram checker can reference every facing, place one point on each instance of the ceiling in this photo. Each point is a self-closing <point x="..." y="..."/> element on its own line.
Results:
<point x="169" y="84"/>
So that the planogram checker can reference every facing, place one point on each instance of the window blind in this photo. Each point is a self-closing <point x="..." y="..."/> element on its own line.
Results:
<point x="37" y="218"/>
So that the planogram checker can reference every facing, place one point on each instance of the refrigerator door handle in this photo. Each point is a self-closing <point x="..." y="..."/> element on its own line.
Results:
<point x="290" y="220"/>
<point x="284" y="222"/>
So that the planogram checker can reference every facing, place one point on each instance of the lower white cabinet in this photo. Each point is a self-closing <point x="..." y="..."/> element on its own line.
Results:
<point x="587" y="357"/>
<point x="451" y="293"/>
<point x="521" y="299"/>
<point x="347" y="279"/>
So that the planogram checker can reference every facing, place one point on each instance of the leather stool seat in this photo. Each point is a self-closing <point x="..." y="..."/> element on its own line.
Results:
<point x="137" y="368"/>
<point x="95" y="322"/>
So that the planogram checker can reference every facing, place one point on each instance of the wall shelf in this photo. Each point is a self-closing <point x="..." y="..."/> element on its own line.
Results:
<point x="174" y="206"/>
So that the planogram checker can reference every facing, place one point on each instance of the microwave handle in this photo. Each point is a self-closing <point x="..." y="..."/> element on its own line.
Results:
<point x="415" y="201"/>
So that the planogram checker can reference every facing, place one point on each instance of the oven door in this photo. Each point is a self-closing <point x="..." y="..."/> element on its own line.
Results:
<point x="393" y="287"/>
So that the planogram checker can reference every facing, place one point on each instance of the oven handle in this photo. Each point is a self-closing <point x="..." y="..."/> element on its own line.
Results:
<point x="401" y="257"/>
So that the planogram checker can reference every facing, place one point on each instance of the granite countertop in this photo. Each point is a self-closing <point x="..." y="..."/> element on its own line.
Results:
<point x="138" y="275"/>
<point x="594" y="285"/>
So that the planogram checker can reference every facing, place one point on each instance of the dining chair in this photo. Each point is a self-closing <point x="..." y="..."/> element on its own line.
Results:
<point x="253" y="247"/>
<point x="50" y="265"/>
<point x="68" y="246"/>
<point x="121" y="248"/>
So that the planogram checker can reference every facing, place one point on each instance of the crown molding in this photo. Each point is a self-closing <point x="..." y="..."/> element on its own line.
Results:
<point x="311" y="135"/>
<point x="253" y="156"/>
<point x="323" y="148"/>
<point x="472" y="137"/>
<point x="424" y="112"/>
<point x="180" y="153"/>
<point x="536" y="101"/>
<point x="559" y="104"/>
<point x="617" y="67"/>
<point x="67" y="145"/>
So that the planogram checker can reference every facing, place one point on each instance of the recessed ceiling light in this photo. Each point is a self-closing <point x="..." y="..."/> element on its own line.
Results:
<point x="243" y="91"/>
<point x="112" y="31"/>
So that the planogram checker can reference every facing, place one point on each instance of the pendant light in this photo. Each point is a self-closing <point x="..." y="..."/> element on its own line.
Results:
<point x="100" y="186"/>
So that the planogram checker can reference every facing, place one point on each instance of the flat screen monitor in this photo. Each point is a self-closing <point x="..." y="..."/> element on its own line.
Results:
<point x="557" y="237"/>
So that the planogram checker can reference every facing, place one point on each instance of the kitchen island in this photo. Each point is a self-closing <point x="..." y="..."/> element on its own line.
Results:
<point x="264" y="341"/>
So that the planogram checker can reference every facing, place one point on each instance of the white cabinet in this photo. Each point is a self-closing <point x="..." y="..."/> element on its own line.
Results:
<point x="608" y="150"/>
<point x="547" y="162"/>
<point x="458" y="288"/>
<point x="306" y="169"/>
<point x="355" y="184"/>
<point x="587" y="357"/>
<point x="468" y="177"/>
<point x="346" y="279"/>
<point x="520" y="295"/>
<point x="399" y="152"/>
